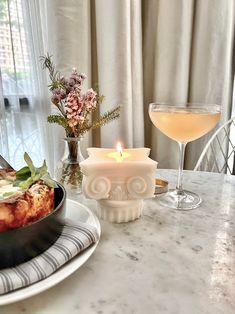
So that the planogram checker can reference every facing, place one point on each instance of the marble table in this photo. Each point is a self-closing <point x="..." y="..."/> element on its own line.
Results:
<point x="165" y="262"/>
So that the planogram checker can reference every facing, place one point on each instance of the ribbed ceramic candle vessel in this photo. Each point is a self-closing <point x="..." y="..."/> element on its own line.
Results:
<point x="119" y="181"/>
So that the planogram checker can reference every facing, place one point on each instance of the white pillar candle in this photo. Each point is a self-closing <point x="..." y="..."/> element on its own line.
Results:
<point x="119" y="180"/>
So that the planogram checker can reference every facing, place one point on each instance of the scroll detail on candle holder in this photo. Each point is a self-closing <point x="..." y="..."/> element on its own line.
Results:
<point x="119" y="186"/>
<point x="96" y="187"/>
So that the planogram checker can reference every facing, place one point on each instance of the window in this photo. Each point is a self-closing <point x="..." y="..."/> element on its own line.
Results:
<point x="20" y="121"/>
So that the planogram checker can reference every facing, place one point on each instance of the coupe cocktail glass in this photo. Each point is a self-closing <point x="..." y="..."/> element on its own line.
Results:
<point x="183" y="123"/>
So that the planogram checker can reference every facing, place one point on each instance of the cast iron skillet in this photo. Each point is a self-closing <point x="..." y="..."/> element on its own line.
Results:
<point x="21" y="244"/>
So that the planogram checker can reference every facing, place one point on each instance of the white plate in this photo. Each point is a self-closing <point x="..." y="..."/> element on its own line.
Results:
<point x="76" y="212"/>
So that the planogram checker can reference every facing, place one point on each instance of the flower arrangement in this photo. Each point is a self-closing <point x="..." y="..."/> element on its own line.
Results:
<point x="75" y="106"/>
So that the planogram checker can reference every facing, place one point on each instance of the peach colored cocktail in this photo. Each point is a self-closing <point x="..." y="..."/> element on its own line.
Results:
<point x="184" y="126"/>
<point x="183" y="123"/>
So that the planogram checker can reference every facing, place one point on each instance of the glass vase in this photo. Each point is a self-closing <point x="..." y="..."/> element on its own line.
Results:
<point x="68" y="171"/>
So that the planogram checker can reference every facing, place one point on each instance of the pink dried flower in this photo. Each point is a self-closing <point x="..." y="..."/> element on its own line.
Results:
<point x="72" y="122"/>
<point x="82" y="77"/>
<point x="81" y="119"/>
<point x="74" y="70"/>
<point x="89" y="99"/>
<point x="58" y="94"/>
<point x="77" y="78"/>
<point x="73" y="108"/>
<point x="77" y="88"/>
<point x="55" y="99"/>
<point x="72" y="82"/>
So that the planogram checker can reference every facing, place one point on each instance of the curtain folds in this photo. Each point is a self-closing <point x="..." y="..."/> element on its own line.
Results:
<point x="69" y="42"/>
<point x="191" y="60"/>
<point x="168" y="66"/>
<point x="212" y="62"/>
<point x="35" y="19"/>
<point x="22" y="94"/>
<point x="138" y="52"/>
<point x="120" y="69"/>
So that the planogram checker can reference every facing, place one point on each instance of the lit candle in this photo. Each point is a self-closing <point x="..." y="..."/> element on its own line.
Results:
<point x="119" y="179"/>
<point x="119" y="155"/>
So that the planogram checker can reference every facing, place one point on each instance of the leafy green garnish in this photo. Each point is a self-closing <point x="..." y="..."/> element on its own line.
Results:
<point x="26" y="176"/>
<point x="7" y="194"/>
<point x="23" y="173"/>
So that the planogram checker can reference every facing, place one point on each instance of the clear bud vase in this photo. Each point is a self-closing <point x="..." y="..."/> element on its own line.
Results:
<point x="68" y="171"/>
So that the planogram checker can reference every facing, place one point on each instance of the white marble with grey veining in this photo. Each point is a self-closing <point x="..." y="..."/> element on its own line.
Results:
<point x="165" y="262"/>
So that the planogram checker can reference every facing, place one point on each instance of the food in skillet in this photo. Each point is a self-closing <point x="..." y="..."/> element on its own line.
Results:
<point x="25" y="195"/>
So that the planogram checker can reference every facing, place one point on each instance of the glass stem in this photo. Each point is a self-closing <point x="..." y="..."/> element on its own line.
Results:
<point x="179" y="187"/>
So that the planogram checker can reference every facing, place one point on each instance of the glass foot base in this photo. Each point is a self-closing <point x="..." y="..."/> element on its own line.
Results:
<point x="181" y="200"/>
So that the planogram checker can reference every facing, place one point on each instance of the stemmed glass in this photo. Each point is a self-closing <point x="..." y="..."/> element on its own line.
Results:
<point x="183" y="123"/>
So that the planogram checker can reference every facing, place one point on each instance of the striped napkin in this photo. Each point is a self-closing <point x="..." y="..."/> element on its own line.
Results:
<point x="73" y="239"/>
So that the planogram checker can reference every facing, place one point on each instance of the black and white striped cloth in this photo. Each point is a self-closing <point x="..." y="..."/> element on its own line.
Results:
<point x="74" y="239"/>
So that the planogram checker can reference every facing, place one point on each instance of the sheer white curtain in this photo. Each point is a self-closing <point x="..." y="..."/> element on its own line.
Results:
<point x="189" y="57"/>
<point x="69" y="42"/>
<point x="145" y="51"/>
<point x="36" y="24"/>
<point x="104" y="40"/>
<point x="120" y="68"/>
<point x="24" y="99"/>
<point x="138" y="52"/>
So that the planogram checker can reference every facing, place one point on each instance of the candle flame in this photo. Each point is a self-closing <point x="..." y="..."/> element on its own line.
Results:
<point x="119" y="148"/>
<point x="119" y="154"/>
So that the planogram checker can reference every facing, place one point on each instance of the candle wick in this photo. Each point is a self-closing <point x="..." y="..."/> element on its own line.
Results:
<point x="120" y="153"/>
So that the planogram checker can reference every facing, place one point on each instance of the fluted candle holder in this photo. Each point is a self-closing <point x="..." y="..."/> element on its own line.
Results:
<point x="118" y="181"/>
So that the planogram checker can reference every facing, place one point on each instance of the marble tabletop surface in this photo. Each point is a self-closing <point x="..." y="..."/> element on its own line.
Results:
<point x="165" y="262"/>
